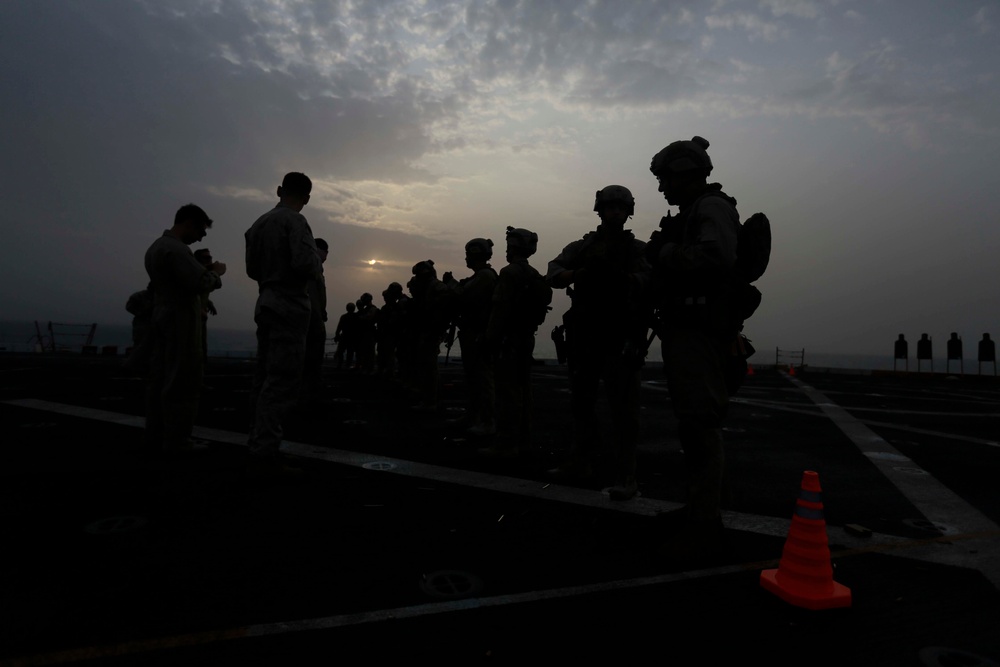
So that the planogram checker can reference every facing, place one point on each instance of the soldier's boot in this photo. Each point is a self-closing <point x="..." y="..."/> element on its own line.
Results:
<point x="577" y="469"/>
<point x="500" y="450"/>
<point x="625" y="487"/>
<point x="482" y="429"/>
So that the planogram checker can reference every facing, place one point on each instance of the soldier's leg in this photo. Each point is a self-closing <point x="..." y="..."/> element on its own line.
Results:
<point x="623" y="387"/>
<point x="585" y="378"/>
<point x="153" y="438"/>
<point x="426" y="372"/>
<point x="479" y="372"/>
<point x="312" y="372"/>
<point x="522" y="366"/>
<point x="694" y="364"/>
<point x="183" y="371"/>
<point x="282" y="372"/>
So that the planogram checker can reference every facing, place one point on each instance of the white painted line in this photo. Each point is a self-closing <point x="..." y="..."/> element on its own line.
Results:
<point x="643" y="506"/>
<point x="782" y="407"/>
<point x="363" y="618"/>
<point x="939" y="504"/>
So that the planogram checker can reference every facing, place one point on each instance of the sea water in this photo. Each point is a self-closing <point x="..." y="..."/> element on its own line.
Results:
<point x="22" y="336"/>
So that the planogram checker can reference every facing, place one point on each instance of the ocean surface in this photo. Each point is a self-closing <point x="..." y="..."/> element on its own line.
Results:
<point x="22" y="336"/>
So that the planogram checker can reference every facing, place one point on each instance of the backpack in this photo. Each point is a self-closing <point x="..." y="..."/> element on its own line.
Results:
<point x="536" y="298"/>
<point x="753" y="248"/>
<point x="753" y="251"/>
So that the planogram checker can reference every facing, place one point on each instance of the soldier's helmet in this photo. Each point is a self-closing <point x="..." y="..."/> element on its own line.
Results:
<point x="366" y="298"/>
<point x="424" y="267"/>
<point x="394" y="288"/>
<point x="683" y="156"/>
<point x="483" y="247"/>
<point x="615" y="193"/>
<point x="524" y="239"/>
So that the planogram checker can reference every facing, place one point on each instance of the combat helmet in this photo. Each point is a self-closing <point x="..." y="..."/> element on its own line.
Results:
<point x="424" y="267"/>
<point x="523" y="239"/>
<point x="683" y="156"/>
<point x="612" y="193"/>
<point x="479" y="246"/>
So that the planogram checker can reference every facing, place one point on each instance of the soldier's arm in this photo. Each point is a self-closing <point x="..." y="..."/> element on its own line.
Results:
<point x="304" y="253"/>
<point x="190" y="275"/>
<point x="561" y="272"/>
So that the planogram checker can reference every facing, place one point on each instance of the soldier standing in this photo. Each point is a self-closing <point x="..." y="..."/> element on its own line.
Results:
<point x="365" y="324"/>
<point x="204" y="257"/>
<point x="693" y="255"/>
<point x="176" y="364"/>
<point x="344" y="337"/>
<point x="510" y="341"/>
<point x="429" y="313"/>
<point x="474" y="296"/>
<point x="312" y="373"/>
<point x="282" y="256"/>
<point x="605" y="334"/>
<point x="389" y="330"/>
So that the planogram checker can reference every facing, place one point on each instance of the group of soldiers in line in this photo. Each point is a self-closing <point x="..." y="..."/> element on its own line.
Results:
<point x="684" y="273"/>
<point x="495" y="323"/>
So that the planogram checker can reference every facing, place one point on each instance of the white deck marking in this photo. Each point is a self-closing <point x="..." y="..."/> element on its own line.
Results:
<point x="800" y="410"/>
<point x="764" y="525"/>
<point x="939" y="504"/>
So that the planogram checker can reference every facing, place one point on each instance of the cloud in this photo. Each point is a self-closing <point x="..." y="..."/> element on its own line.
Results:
<point x="754" y="26"/>
<point x="981" y="19"/>
<point x="805" y="9"/>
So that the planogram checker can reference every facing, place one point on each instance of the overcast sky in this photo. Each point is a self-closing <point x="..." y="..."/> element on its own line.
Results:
<point x="869" y="132"/>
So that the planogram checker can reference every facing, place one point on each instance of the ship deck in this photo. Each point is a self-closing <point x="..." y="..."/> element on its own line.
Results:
<point x="399" y="542"/>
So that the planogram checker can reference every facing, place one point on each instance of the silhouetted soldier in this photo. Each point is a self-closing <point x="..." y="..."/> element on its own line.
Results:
<point x="559" y="340"/>
<point x="510" y="342"/>
<point x="140" y="306"/>
<point x="474" y="300"/>
<point x="954" y="351"/>
<point x="204" y="257"/>
<point x="389" y="330"/>
<point x="987" y="353"/>
<point x="924" y="351"/>
<point x="345" y="336"/>
<point x="605" y="331"/>
<point x="431" y="310"/>
<point x="367" y="318"/>
<point x="312" y="372"/>
<point x="177" y="359"/>
<point x="694" y="256"/>
<point x="282" y="256"/>
<point x="900" y="350"/>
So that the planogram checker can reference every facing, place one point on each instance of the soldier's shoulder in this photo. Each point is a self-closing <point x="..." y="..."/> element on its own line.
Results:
<point x="716" y="200"/>
<point x="515" y="269"/>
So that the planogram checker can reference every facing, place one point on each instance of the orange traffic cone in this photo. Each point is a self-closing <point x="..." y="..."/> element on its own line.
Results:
<point x="749" y="369"/>
<point x="791" y="370"/>
<point x="804" y="576"/>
